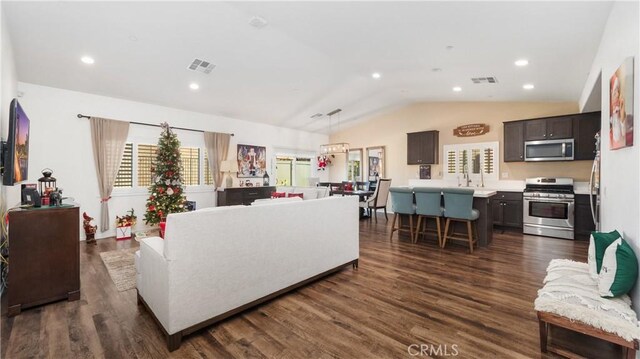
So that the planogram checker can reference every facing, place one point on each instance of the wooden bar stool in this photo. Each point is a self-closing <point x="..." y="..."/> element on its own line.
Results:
<point x="458" y="207"/>
<point x="402" y="203"/>
<point x="428" y="206"/>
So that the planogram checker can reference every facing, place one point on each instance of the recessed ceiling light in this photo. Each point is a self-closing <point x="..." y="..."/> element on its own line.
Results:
<point x="194" y="86"/>
<point x="376" y="75"/>
<point x="449" y="47"/>
<point x="258" y="22"/>
<point x="528" y="86"/>
<point x="522" y="62"/>
<point x="457" y="89"/>
<point x="436" y="69"/>
<point x="87" y="60"/>
<point x="133" y="38"/>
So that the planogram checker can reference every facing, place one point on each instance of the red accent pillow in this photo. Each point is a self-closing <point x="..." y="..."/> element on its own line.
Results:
<point x="348" y="187"/>
<point x="278" y="195"/>
<point x="301" y="195"/>
<point x="163" y="226"/>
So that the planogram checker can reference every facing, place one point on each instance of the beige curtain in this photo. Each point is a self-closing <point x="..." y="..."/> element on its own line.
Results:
<point x="108" y="138"/>
<point x="217" y="145"/>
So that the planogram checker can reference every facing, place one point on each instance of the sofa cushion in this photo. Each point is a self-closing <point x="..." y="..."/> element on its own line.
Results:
<point x="263" y="201"/>
<point x="598" y="243"/>
<point x="619" y="270"/>
<point x="278" y="194"/>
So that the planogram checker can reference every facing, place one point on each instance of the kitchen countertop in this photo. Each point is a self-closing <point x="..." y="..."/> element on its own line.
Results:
<point x="491" y="186"/>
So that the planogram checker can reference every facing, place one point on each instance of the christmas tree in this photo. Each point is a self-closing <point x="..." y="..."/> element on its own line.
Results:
<point x="165" y="193"/>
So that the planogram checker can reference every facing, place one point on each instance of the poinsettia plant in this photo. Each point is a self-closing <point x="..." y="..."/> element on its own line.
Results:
<point x="127" y="220"/>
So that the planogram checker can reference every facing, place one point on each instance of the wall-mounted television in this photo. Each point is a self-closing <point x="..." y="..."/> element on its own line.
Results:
<point x="16" y="152"/>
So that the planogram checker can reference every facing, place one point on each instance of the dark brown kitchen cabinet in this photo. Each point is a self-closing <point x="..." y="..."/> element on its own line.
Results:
<point x="535" y="130"/>
<point x="513" y="141"/>
<point x="583" y="221"/>
<point x="422" y="148"/>
<point x="550" y="128"/>
<point x="560" y="127"/>
<point x="507" y="209"/>
<point x="581" y="127"/>
<point x="585" y="127"/>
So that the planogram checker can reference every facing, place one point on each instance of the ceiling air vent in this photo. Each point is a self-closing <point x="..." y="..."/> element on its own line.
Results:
<point x="485" y="80"/>
<point x="201" y="66"/>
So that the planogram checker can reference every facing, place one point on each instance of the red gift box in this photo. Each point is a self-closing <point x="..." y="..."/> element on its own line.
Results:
<point x="163" y="225"/>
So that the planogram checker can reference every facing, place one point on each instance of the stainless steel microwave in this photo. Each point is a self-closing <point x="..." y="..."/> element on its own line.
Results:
<point x="549" y="150"/>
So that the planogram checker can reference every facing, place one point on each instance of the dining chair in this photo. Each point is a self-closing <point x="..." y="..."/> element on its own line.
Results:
<point x="458" y="207"/>
<point x="428" y="205"/>
<point x="379" y="199"/>
<point x="402" y="203"/>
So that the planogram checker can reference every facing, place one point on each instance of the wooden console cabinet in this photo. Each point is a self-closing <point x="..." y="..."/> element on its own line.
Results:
<point x="44" y="257"/>
<point x="243" y="195"/>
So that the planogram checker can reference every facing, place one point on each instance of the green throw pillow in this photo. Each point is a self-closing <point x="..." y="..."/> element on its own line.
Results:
<point x="598" y="243"/>
<point x="619" y="270"/>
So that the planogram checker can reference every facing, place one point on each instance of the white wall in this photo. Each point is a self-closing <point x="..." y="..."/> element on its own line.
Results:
<point x="62" y="142"/>
<point x="8" y="85"/>
<point x="620" y="174"/>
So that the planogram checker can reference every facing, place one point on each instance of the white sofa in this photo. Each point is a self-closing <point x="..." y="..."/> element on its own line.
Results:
<point x="216" y="262"/>
<point x="308" y="192"/>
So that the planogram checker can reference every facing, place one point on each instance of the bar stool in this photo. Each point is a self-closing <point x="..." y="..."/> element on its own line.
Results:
<point x="428" y="206"/>
<point x="458" y="207"/>
<point x="402" y="203"/>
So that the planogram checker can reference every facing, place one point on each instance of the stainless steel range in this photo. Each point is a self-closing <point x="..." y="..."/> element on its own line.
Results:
<point x="549" y="206"/>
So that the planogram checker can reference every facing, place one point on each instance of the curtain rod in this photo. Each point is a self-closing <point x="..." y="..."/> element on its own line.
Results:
<point x="150" y="124"/>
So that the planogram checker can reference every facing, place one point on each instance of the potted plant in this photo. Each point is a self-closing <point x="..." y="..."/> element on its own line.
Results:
<point x="124" y="224"/>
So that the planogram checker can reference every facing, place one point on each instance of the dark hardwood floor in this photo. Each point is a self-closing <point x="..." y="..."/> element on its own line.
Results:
<point x="401" y="294"/>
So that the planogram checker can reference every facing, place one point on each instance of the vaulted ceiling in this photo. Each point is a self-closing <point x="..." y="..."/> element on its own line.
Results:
<point x="311" y="57"/>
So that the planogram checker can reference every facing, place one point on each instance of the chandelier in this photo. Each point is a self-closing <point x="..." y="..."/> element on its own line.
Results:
<point x="338" y="147"/>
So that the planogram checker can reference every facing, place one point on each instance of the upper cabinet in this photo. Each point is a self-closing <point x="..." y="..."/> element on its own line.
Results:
<point x="581" y="127"/>
<point x="422" y="148"/>
<point x="585" y="127"/>
<point x="514" y="141"/>
<point x="552" y="128"/>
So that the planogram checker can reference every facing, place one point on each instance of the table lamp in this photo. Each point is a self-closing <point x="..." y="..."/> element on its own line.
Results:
<point x="228" y="167"/>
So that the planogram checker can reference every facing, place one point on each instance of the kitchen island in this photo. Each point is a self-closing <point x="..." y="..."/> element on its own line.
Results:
<point x="481" y="202"/>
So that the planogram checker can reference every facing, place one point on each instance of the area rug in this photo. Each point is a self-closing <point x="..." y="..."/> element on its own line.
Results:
<point x="121" y="267"/>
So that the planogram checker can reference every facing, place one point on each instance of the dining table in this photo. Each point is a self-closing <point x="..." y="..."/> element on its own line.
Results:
<point x="363" y="195"/>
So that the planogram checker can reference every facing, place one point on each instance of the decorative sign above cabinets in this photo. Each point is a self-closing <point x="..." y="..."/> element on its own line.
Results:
<point x="475" y="129"/>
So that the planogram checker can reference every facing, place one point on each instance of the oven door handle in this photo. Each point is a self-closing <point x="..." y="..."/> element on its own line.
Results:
<point x="549" y="200"/>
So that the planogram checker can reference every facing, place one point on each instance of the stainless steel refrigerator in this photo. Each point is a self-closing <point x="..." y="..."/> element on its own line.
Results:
<point x="594" y="185"/>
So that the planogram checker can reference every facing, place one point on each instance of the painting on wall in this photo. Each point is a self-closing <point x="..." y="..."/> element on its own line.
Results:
<point x="374" y="166"/>
<point x="621" y="106"/>
<point x="252" y="161"/>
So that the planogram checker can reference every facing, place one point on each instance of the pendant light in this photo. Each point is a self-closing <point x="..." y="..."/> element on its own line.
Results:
<point x="337" y="147"/>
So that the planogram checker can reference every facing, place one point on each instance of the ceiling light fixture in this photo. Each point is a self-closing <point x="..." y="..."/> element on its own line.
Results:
<point x="457" y="89"/>
<point x="338" y="147"/>
<point x="528" y="86"/>
<point x="522" y="62"/>
<point x="376" y="75"/>
<point x="194" y="86"/>
<point x="87" y="60"/>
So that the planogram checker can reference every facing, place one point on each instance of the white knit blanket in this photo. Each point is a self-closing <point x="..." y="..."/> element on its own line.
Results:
<point x="570" y="292"/>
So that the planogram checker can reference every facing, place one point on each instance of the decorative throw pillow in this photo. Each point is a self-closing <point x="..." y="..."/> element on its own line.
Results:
<point x="301" y="195"/>
<point x="598" y="243"/>
<point x="619" y="270"/>
<point x="278" y="195"/>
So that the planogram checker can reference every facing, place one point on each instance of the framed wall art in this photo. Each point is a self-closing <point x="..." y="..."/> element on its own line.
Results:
<point x="252" y="161"/>
<point x="621" y="106"/>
